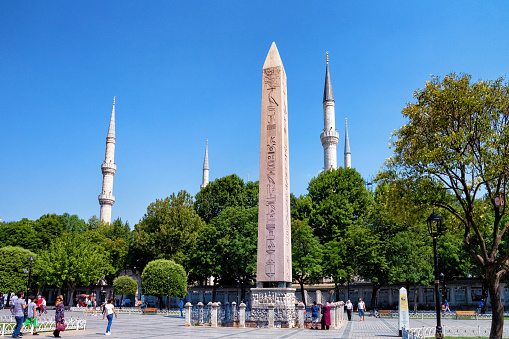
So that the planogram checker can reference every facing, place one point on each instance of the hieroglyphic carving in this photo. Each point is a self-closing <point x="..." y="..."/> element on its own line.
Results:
<point x="271" y="80"/>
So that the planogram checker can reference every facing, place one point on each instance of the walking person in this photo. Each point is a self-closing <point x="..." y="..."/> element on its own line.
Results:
<point x="19" y="313"/>
<point x="482" y="307"/>
<point x="447" y="309"/>
<point x="43" y="307"/>
<point x="326" y="316"/>
<point x="59" y="315"/>
<point x="361" y="307"/>
<point x="315" y="316"/>
<point x="181" y="306"/>
<point x="31" y="316"/>
<point x="109" y="311"/>
<point x="349" y="309"/>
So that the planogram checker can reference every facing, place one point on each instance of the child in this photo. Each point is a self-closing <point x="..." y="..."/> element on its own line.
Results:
<point x="32" y="316"/>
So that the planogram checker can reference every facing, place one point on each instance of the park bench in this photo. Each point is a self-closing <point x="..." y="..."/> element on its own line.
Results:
<point x="465" y="314"/>
<point x="385" y="313"/>
<point x="152" y="310"/>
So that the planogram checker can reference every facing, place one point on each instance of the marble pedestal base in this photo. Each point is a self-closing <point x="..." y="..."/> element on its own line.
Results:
<point x="274" y="305"/>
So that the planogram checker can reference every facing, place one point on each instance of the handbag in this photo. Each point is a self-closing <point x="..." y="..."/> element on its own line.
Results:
<point x="61" y="327"/>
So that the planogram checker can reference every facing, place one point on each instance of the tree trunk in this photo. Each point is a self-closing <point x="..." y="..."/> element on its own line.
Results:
<point x="416" y="299"/>
<point x="497" y="308"/>
<point x="301" y="282"/>
<point x="336" y="288"/>
<point x="214" y="290"/>
<point x="373" y="297"/>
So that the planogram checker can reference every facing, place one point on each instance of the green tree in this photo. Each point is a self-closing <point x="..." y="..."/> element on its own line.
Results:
<point x="339" y="199"/>
<point x="230" y="191"/>
<point x="164" y="278"/>
<point x="12" y="262"/>
<point x="339" y="202"/>
<point x="48" y="228"/>
<point x="168" y="230"/>
<point x="20" y="233"/>
<point x="125" y="285"/>
<point x="72" y="223"/>
<point x="73" y="260"/>
<point x="457" y="138"/>
<point x="307" y="255"/>
<point x="226" y="249"/>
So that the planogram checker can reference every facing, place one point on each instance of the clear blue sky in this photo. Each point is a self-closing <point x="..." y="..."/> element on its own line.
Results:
<point x="185" y="71"/>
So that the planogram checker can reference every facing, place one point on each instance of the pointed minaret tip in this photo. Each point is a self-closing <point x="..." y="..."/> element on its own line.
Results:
<point x="327" y="92"/>
<point x="346" y="122"/>
<point x="113" y="101"/>
<point x="327" y="57"/>
<point x="273" y="59"/>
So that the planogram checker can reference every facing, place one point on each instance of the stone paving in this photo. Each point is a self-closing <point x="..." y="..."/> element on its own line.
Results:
<point x="156" y="326"/>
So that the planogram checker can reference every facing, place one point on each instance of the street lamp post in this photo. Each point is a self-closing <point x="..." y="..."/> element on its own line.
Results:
<point x="30" y="262"/>
<point x="434" y="223"/>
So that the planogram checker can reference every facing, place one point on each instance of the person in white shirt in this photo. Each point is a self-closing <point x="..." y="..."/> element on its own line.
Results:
<point x="361" y="307"/>
<point x="349" y="309"/>
<point x="109" y="310"/>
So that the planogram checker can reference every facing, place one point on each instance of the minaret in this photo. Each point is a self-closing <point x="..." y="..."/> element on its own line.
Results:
<point x="205" y="180"/>
<point x="348" y="155"/>
<point x="106" y="198"/>
<point x="330" y="136"/>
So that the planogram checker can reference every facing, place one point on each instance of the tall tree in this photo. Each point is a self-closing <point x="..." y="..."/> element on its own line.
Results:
<point x="168" y="230"/>
<point x="339" y="198"/>
<point x="229" y="191"/>
<point x="307" y="255"/>
<point x="457" y="138"/>
<point x="164" y="278"/>
<point x="12" y="262"/>
<point x="73" y="260"/>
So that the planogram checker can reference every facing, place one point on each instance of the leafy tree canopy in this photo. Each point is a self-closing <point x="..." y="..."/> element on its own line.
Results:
<point x="125" y="285"/>
<point x="457" y="138"/>
<point x="230" y="191"/>
<point x="164" y="278"/>
<point x="168" y="230"/>
<point x="339" y="199"/>
<point x="12" y="262"/>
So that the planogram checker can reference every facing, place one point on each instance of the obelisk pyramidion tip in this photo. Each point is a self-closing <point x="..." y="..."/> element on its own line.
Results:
<point x="273" y="59"/>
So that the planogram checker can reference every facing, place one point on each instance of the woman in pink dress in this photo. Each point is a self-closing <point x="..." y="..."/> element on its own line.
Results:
<point x="326" y="316"/>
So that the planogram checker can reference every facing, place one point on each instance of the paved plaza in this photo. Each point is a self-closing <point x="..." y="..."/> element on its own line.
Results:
<point x="157" y="326"/>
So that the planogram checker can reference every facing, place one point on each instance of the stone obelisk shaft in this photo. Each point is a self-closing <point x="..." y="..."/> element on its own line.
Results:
<point x="274" y="261"/>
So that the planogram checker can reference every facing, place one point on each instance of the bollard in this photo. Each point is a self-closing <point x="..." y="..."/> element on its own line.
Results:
<point x="242" y="315"/>
<point x="271" y="315"/>
<point x="188" y="308"/>
<point x="300" y="313"/>
<point x="333" y="316"/>
<point x="234" y="311"/>
<point x="213" y="314"/>
<point x="200" y="313"/>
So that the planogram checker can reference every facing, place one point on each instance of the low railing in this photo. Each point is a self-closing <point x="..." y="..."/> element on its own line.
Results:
<point x="45" y="324"/>
<point x="130" y="310"/>
<point x="231" y="315"/>
<point x="450" y="331"/>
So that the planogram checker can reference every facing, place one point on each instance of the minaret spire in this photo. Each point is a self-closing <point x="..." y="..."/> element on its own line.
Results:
<point x="348" y="156"/>
<point x="106" y="198"/>
<point x="205" y="179"/>
<point x="330" y="136"/>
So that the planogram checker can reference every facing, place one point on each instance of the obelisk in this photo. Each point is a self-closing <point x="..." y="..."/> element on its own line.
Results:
<point x="274" y="261"/>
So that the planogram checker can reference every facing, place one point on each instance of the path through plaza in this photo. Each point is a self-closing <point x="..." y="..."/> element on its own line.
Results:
<point x="156" y="326"/>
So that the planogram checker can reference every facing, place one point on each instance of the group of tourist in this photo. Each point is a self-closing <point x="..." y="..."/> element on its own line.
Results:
<point x="361" y="308"/>
<point x="25" y="314"/>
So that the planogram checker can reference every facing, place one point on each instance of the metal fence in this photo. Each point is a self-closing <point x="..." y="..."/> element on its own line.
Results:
<point x="45" y="324"/>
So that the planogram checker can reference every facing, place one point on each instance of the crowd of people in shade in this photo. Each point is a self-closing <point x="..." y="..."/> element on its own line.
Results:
<point x="27" y="310"/>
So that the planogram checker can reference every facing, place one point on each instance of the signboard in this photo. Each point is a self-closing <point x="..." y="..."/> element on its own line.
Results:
<point x="403" y="315"/>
